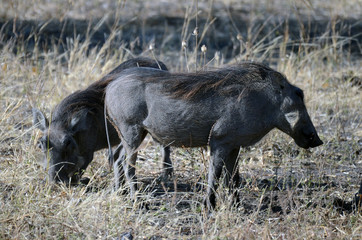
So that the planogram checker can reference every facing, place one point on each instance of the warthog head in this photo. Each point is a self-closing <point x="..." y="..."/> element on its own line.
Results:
<point x="62" y="155"/>
<point x="294" y="118"/>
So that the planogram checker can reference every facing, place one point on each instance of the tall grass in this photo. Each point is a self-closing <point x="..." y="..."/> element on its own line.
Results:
<point x="287" y="193"/>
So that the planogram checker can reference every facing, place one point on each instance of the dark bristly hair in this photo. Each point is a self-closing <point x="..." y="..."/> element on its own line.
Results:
<point x="231" y="80"/>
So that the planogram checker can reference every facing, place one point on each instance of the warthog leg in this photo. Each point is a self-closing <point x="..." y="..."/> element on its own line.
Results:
<point x="231" y="170"/>
<point x="130" y="172"/>
<point x="132" y="137"/>
<point x="232" y="178"/>
<point x="118" y="168"/>
<point x="220" y="155"/>
<point x="166" y="163"/>
<point x="119" y="154"/>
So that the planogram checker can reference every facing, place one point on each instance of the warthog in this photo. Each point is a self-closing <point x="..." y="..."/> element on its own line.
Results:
<point x="225" y="109"/>
<point x="77" y="127"/>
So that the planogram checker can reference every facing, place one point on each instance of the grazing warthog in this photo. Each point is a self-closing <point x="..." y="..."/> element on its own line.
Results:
<point x="77" y="127"/>
<point x="225" y="109"/>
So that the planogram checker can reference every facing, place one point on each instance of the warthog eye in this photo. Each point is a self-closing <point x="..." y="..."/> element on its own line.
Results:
<point x="69" y="144"/>
<point x="66" y="142"/>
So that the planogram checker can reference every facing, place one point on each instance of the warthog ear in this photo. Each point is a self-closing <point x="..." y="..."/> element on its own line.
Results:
<point x="39" y="120"/>
<point x="79" y="122"/>
<point x="278" y="79"/>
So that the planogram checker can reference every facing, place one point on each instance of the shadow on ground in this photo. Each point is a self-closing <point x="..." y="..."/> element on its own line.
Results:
<point x="273" y="195"/>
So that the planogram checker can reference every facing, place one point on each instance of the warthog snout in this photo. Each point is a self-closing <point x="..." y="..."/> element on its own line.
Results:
<point x="62" y="159"/>
<point x="57" y="175"/>
<point x="306" y="136"/>
<point x="313" y="138"/>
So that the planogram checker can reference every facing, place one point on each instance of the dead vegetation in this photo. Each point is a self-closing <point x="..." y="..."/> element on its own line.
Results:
<point x="286" y="192"/>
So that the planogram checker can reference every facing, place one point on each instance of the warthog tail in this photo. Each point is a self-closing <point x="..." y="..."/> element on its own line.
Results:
<point x="110" y="152"/>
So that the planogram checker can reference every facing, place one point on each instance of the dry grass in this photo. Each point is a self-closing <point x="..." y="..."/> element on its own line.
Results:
<point x="287" y="193"/>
